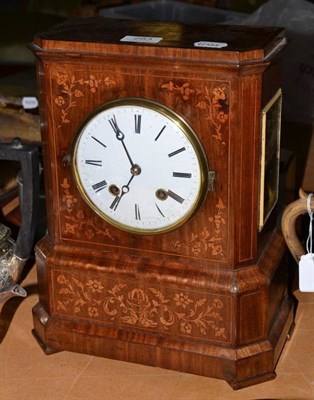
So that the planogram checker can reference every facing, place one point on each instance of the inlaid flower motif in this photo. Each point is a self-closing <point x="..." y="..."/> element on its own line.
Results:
<point x="108" y="81"/>
<point x="182" y="299"/>
<point x="78" y="93"/>
<point x="62" y="280"/>
<point x="62" y="79"/>
<point x="76" y="222"/>
<point x="196" y="248"/>
<point x="93" y="312"/>
<point x="185" y="327"/>
<point x="218" y="218"/>
<point x="207" y="240"/>
<point x="69" y="228"/>
<point x="222" y="117"/>
<point x="95" y="286"/>
<point x="212" y="101"/>
<point x="217" y="250"/>
<point x="169" y="86"/>
<point x="69" y="200"/>
<point x="218" y="303"/>
<point x="219" y="94"/>
<point x="93" y="83"/>
<point x="202" y="105"/>
<point x="60" y="101"/>
<point x="69" y="89"/>
<point x="184" y="90"/>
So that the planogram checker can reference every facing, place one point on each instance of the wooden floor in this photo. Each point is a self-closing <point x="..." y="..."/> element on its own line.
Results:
<point x="26" y="373"/>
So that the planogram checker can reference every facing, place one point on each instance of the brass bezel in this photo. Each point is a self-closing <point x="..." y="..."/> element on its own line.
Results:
<point x="266" y="209"/>
<point x="184" y="127"/>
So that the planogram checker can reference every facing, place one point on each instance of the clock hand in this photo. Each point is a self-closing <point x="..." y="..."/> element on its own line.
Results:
<point x="125" y="189"/>
<point x="120" y="136"/>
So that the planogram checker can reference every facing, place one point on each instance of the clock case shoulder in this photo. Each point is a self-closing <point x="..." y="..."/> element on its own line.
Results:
<point x="77" y="43"/>
<point x="252" y="51"/>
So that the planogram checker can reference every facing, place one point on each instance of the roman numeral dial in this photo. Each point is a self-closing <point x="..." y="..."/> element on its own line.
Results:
<point x="174" y="153"/>
<point x="99" y="186"/>
<point x="99" y="141"/>
<point x="140" y="166"/>
<point x="137" y="120"/>
<point x="187" y="175"/>
<point x="96" y="163"/>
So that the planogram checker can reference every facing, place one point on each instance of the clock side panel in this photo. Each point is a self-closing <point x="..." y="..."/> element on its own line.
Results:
<point x="251" y="188"/>
<point x="75" y="90"/>
<point x="48" y="147"/>
<point x="246" y="167"/>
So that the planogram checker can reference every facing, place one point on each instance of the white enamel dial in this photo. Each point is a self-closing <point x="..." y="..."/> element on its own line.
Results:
<point x="140" y="166"/>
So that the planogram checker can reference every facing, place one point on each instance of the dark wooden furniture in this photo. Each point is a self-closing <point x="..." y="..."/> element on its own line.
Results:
<point x="211" y="297"/>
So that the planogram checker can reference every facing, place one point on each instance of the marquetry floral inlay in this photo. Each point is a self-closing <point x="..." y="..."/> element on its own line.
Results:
<point x="213" y="103"/>
<point x="184" y="90"/>
<point x="150" y="308"/>
<point x="71" y="89"/>
<point x="206" y="241"/>
<point x="77" y="224"/>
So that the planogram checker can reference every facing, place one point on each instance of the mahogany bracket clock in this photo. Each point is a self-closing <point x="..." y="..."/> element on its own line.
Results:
<point x="161" y="162"/>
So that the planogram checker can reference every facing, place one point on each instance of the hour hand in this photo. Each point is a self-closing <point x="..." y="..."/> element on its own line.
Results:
<point x="115" y="203"/>
<point x="125" y="189"/>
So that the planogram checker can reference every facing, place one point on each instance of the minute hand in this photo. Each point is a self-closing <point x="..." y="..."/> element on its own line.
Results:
<point x="120" y="136"/>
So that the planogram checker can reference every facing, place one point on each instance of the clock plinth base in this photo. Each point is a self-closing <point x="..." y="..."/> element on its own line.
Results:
<point x="239" y="373"/>
<point x="130" y="314"/>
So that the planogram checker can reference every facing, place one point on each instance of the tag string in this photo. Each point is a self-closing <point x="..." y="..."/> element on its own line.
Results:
<point x="309" y="242"/>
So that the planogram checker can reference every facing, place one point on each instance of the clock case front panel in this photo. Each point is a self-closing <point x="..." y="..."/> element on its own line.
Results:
<point x="209" y="297"/>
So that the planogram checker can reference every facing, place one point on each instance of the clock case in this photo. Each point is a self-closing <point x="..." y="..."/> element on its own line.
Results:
<point x="210" y="297"/>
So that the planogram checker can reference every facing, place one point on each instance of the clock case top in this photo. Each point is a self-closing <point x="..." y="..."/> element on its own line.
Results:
<point x="98" y="35"/>
<point x="82" y="64"/>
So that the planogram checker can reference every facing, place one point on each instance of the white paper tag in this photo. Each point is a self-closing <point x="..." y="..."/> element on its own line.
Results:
<point x="306" y="273"/>
<point x="141" y="39"/>
<point x="29" y="103"/>
<point x="210" y="45"/>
